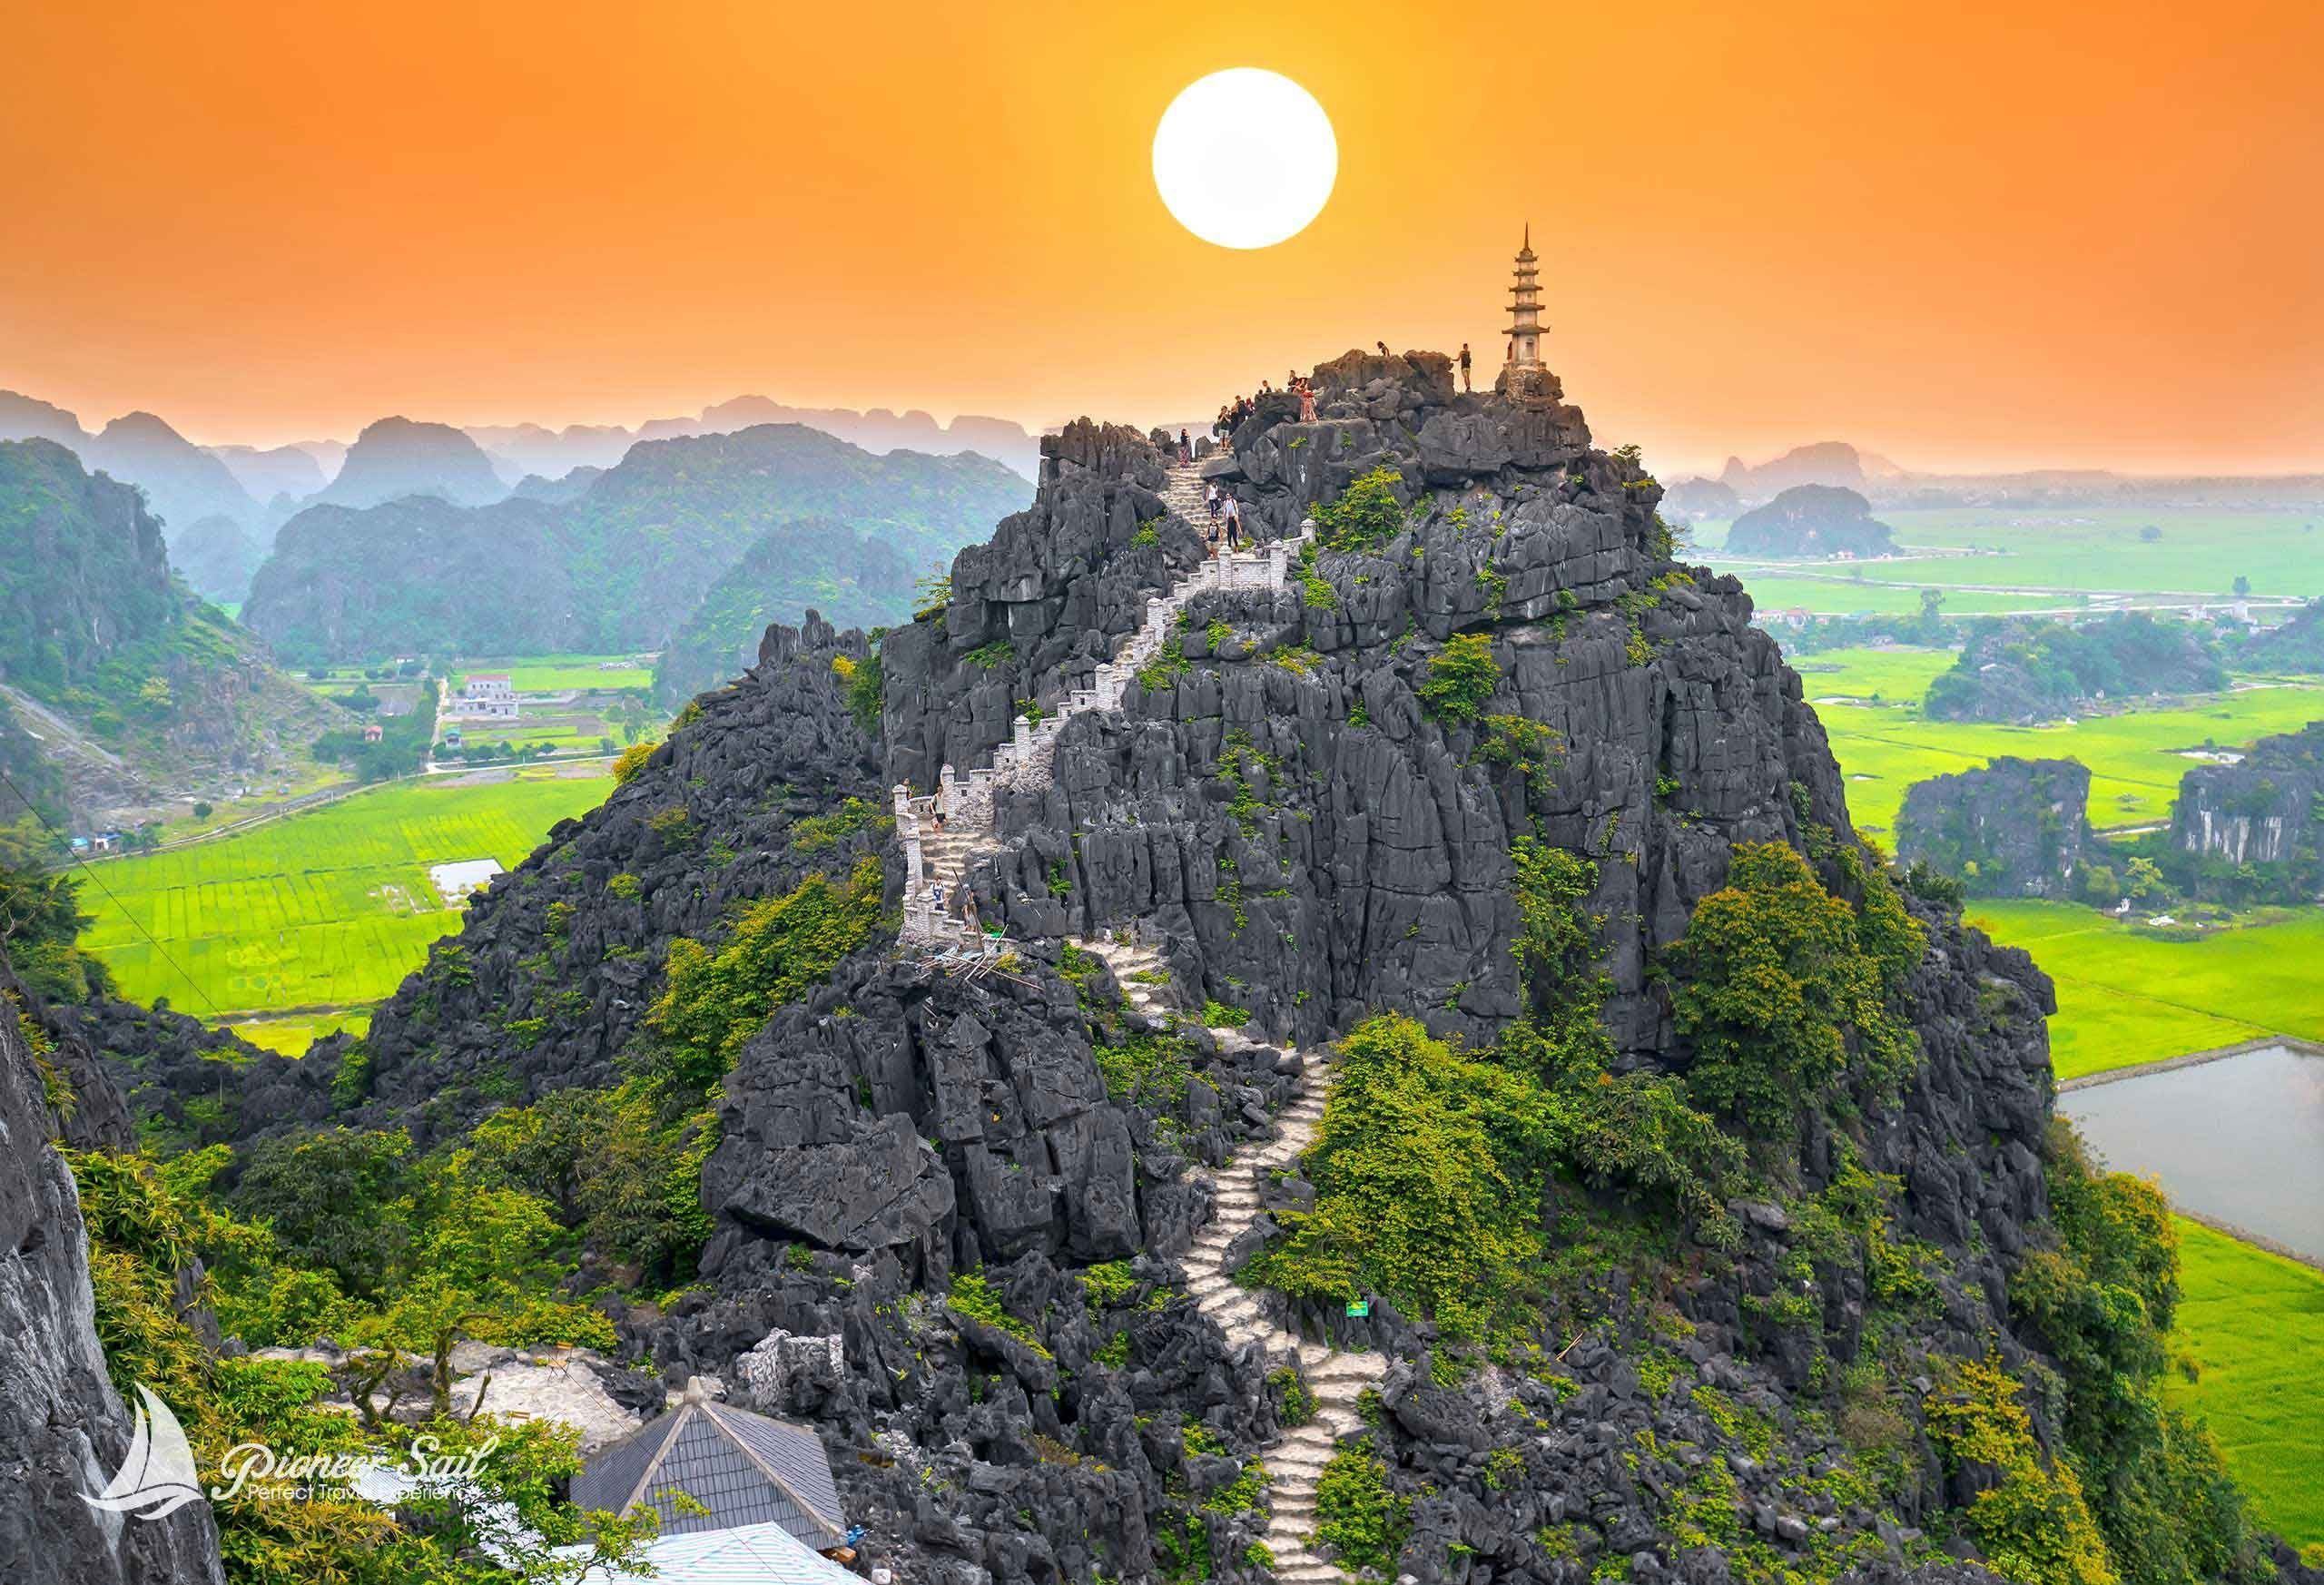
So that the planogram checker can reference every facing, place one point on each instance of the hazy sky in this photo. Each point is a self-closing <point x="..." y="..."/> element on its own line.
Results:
<point x="1982" y="234"/>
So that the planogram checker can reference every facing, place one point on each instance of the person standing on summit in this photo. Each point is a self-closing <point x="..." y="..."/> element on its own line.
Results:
<point x="1464" y="367"/>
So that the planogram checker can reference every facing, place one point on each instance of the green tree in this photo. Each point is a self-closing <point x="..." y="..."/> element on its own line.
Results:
<point x="1784" y="987"/>
<point x="1368" y="514"/>
<point x="715" y="998"/>
<point x="1460" y="679"/>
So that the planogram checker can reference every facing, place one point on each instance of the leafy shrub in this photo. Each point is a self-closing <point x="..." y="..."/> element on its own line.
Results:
<point x="818" y="832"/>
<point x="991" y="656"/>
<point x="865" y="683"/>
<point x="713" y="999"/>
<point x="1428" y="1167"/>
<point x="1522" y="744"/>
<point x="1460" y="677"/>
<point x="974" y="1297"/>
<point x="674" y="825"/>
<point x="2034" y="1524"/>
<point x="619" y="1169"/>
<point x="1368" y="514"/>
<point x="631" y="760"/>
<point x="1782" y="987"/>
<point x="1358" y="1519"/>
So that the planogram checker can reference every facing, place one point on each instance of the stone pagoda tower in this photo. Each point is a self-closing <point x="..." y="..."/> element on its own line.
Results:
<point x="1525" y="374"/>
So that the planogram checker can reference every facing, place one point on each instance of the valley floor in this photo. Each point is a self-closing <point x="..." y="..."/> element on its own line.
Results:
<point x="2125" y="996"/>
<point x="2248" y="1334"/>
<point x="328" y="908"/>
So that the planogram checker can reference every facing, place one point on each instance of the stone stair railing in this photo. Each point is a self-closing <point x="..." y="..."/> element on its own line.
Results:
<point x="936" y="864"/>
<point x="1335" y="1378"/>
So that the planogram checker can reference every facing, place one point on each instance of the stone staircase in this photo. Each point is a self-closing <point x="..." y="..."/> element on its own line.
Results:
<point x="939" y="860"/>
<point x="1335" y="1378"/>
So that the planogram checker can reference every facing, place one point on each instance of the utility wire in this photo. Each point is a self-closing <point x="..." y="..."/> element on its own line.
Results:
<point x="91" y="871"/>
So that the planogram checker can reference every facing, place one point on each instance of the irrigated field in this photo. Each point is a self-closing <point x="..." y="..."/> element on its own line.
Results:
<point x="291" y="1035"/>
<point x="2253" y="1325"/>
<point x="329" y="909"/>
<point x="2135" y="758"/>
<point x="2124" y="997"/>
<point x="2071" y="552"/>
<point x="557" y="673"/>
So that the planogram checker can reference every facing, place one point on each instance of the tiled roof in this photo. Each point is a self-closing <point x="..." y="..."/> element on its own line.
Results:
<point x="745" y="1469"/>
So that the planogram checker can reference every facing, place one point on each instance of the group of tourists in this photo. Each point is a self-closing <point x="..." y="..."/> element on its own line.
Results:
<point x="1231" y="416"/>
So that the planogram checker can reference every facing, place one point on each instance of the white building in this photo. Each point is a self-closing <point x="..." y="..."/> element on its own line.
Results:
<point x="488" y="696"/>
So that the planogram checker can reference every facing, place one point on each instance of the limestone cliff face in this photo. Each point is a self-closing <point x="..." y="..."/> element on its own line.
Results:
<point x="2014" y="828"/>
<point x="63" y="1428"/>
<point x="2268" y="809"/>
<point x="1372" y="868"/>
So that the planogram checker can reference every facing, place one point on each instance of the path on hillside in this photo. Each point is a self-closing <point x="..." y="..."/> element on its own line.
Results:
<point x="938" y="855"/>
<point x="1335" y="1378"/>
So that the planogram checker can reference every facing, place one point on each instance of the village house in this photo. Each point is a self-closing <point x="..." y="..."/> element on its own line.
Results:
<point x="488" y="696"/>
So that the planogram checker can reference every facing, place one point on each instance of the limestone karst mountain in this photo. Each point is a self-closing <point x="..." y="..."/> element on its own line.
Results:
<point x="137" y="691"/>
<point x="624" y="563"/>
<point x="1825" y="462"/>
<point x="60" y="1415"/>
<point x="523" y="449"/>
<point x="1434" y="958"/>
<point x="1811" y="520"/>
<point x="815" y="564"/>
<point x="2032" y="669"/>
<point x="2012" y="828"/>
<point x="183" y="482"/>
<point x="395" y="457"/>
<point x="273" y="471"/>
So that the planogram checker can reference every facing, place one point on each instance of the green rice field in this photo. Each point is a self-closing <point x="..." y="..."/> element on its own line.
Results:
<point x="2252" y="1325"/>
<point x="2071" y="551"/>
<point x="558" y="674"/>
<point x="1884" y="588"/>
<point x="291" y="1035"/>
<point x="325" y="910"/>
<point x="2126" y="996"/>
<point x="2135" y="757"/>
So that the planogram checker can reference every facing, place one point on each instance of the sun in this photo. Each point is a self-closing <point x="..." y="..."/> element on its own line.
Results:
<point x="1245" y="158"/>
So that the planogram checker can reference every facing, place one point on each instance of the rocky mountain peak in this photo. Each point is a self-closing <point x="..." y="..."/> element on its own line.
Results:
<point x="398" y="457"/>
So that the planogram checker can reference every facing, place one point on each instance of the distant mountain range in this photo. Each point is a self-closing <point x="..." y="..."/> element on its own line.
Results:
<point x="191" y="488"/>
<point x="1835" y="463"/>
<point x="130" y="692"/>
<point x="528" y="449"/>
<point x="624" y="562"/>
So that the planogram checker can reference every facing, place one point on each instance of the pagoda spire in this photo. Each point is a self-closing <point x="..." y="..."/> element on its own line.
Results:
<point x="1525" y="325"/>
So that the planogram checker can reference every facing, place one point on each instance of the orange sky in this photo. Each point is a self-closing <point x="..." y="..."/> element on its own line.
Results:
<point x="1981" y="234"/>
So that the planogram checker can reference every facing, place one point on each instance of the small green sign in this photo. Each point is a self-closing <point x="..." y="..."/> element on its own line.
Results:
<point x="1359" y="1306"/>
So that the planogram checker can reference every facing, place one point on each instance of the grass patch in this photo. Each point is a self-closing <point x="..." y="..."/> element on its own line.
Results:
<point x="2252" y="1324"/>
<point x="330" y="908"/>
<point x="2125" y="996"/>
<point x="2135" y="758"/>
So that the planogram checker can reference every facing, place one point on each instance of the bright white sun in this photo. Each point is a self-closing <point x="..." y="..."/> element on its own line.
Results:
<point x="1245" y="158"/>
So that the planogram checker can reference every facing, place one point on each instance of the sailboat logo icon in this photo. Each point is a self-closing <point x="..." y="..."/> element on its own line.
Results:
<point x="158" y="1477"/>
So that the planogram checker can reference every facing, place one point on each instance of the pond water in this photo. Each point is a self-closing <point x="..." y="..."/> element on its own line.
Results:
<point x="2241" y="1140"/>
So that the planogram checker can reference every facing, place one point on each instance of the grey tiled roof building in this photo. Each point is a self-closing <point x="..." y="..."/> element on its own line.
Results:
<point x="744" y="1468"/>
